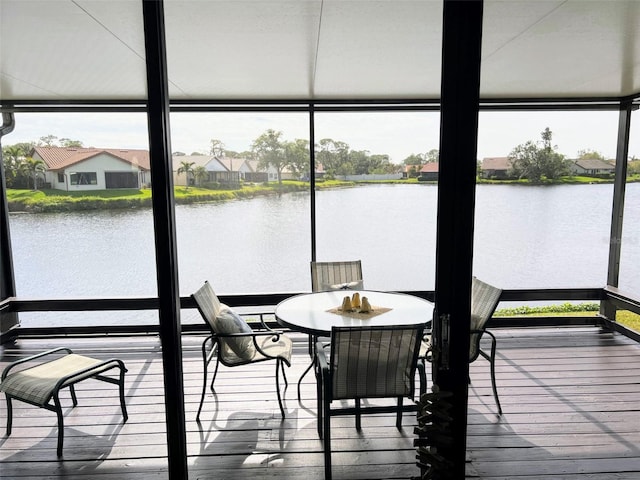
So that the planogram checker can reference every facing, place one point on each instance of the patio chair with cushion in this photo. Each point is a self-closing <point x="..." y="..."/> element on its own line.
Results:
<point x="233" y="342"/>
<point x="484" y="300"/>
<point x="366" y="363"/>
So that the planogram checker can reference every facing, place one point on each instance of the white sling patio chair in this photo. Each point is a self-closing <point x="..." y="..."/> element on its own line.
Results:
<point x="484" y="300"/>
<point x="365" y="363"/>
<point x="233" y="342"/>
<point x="326" y="276"/>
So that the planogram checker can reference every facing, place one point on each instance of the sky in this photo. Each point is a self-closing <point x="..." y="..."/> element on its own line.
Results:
<point x="397" y="134"/>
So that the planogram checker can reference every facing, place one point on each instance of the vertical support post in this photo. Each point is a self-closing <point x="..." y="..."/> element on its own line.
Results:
<point x="7" y="278"/>
<point x="460" y="92"/>
<point x="312" y="178"/>
<point x="617" y="212"/>
<point x="165" y="235"/>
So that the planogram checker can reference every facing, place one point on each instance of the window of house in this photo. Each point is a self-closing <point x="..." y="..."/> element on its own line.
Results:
<point x="61" y="177"/>
<point x="84" y="178"/>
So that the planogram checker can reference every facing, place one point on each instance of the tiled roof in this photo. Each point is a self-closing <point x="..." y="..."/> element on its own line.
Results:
<point x="594" y="164"/>
<point x="430" y="167"/>
<point x="496" y="163"/>
<point x="58" y="158"/>
<point x="197" y="160"/>
<point x="231" y="164"/>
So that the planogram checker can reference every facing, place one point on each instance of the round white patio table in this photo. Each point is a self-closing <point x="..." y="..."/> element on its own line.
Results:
<point x="312" y="313"/>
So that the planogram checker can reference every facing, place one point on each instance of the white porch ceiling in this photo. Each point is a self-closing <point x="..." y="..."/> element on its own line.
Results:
<point x="314" y="49"/>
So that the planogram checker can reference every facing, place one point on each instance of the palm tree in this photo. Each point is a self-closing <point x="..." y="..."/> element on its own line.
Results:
<point x="11" y="156"/>
<point x="31" y="167"/>
<point x="186" y="168"/>
<point x="200" y="174"/>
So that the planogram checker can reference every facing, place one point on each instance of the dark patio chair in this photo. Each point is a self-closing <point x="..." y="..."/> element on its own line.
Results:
<point x="233" y="342"/>
<point x="484" y="300"/>
<point x="365" y="363"/>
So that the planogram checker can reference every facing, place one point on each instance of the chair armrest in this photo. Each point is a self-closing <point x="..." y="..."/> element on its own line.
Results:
<point x="321" y="356"/>
<point x="270" y="333"/>
<point x="265" y="326"/>
<point x="33" y="357"/>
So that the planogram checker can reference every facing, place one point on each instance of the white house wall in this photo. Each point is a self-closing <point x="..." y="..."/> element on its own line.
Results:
<point x="100" y="164"/>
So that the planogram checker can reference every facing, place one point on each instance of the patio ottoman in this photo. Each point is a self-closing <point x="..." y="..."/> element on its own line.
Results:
<point x="41" y="383"/>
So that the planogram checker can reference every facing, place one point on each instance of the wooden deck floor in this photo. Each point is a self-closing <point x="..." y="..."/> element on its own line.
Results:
<point x="571" y="400"/>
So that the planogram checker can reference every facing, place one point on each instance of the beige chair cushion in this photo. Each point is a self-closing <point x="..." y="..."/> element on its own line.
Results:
<point x="36" y="384"/>
<point x="227" y="322"/>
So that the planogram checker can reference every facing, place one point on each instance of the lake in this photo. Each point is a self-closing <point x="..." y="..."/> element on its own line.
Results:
<point x="525" y="237"/>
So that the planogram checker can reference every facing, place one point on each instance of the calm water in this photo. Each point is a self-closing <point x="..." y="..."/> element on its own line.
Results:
<point x="526" y="237"/>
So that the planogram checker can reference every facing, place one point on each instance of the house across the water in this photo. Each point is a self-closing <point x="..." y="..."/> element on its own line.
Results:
<point x="495" y="167"/>
<point x="76" y="168"/>
<point x="592" y="166"/>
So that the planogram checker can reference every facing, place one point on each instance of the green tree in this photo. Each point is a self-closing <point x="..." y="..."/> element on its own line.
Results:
<point x="333" y="155"/>
<point x="590" y="155"/>
<point x="297" y="156"/>
<point x="217" y="148"/>
<point x="12" y="155"/>
<point x="633" y="166"/>
<point x="414" y="159"/>
<point x="380" y="164"/>
<point x="186" y="167"/>
<point x="48" y="141"/>
<point x="432" y="156"/>
<point x="32" y="167"/>
<point x="270" y="152"/>
<point x="536" y="161"/>
<point x="68" y="143"/>
<point x="360" y="161"/>
<point x="200" y="175"/>
<point x="16" y="172"/>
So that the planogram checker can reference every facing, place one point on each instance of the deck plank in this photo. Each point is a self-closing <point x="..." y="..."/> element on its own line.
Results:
<point x="569" y="395"/>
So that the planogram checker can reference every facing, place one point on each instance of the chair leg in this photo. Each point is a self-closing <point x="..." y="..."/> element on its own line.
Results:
<point x="74" y="399"/>
<point x="327" y="438"/>
<point x="215" y="372"/>
<point x="58" y="408"/>
<point x="399" y="414"/>
<point x="358" y="422"/>
<point x="301" y="377"/>
<point x="422" y="374"/>
<point x="312" y="354"/>
<point x="492" y="362"/>
<point x="205" y="361"/>
<point x="9" y="414"/>
<point x="320" y="403"/>
<point x="123" y="405"/>
<point x="278" y="362"/>
<point x="284" y="375"/>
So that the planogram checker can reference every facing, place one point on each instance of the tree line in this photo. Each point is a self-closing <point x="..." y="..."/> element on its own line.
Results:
<point x="540" y="160"/>
<point x="23" y="171"/>
<point x="270" y="150"/>
<point x="534" y="161"/>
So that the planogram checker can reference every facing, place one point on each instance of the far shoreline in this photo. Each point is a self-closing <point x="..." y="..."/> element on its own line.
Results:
<point x="57" y="201"/>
